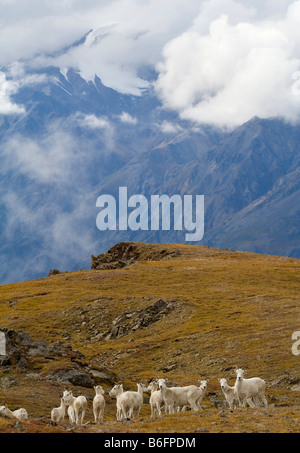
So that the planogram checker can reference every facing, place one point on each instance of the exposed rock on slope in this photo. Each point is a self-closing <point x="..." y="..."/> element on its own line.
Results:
<point x="126" y="253"/>
<point x="129" y="322"/>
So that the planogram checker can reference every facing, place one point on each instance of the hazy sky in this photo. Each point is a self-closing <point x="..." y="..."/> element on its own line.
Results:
<point x="218" y="61"/>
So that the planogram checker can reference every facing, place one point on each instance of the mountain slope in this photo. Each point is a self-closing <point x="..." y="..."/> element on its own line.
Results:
<point x="195" y="313"/>
<point x="249" y="179"/>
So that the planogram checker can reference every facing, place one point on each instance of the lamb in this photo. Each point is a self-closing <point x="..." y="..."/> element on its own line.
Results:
<point x="253" y="388"/>
<point x="117" y="390"/>
<point x="156" y="399"/>
<point x="5" y="411"/>
<point x="20" y="414"/>
<point x="58" y="413"/>
<point x="195" y="396"/>
<point x="79" y="405"/>
<point x="230" y="394"/>
<point x="98" y="404"/>
<point x="128" y="401"/>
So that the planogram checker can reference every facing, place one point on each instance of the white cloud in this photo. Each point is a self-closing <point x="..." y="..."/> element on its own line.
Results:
<point x="125" y="117"/>
<point x="32" y="29"/>
<point x="170" y="128"/>
<point x="7" y="88"/>
<point x="10" y="85"/>
<point x="49" y="159"/>
<point x="127" y="35"/>
<point x="96" y="123"/>
<point x="92" y="121"/>
<point x="233" y="72"/>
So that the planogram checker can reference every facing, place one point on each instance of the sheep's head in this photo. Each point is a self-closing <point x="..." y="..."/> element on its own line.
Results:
<point x="203" y="384"/>
<point x="116" y="390"/>
<point x="223" y="383"/>
<point x="161" y="383"/>
<point x="152" y="386"/>
<point x="67" y="397"/>
<point x="240" y="374"/>
<point x="142" y="386"/>
<point x="99" y="390"/>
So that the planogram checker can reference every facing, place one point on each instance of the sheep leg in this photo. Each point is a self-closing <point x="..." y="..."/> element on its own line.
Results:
<point x="242" y="402"/>
<point x="193" y="404"/>
<point x="152" y="410"/>
<point x="76" y="416"/>
<point x="264" y="400"/>
<point x="253" y="402"/>
<point x="82" y="416"/>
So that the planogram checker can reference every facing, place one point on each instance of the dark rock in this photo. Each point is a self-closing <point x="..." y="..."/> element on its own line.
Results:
<point x="53" y="272"/>
<point x="20" y="349"/>
<point x="169" y="368"/>
<point x="18" y="425"/>
<point x="39" y="348"/>
<point x="22" y="363"/>
<point x="160" y="304"/>
<point x="7" y="382"/>
<point x="130" y="322"/>
<point x="4" y="360"/>
<point x="127" y="253"/>
<point x="72" y="376"/>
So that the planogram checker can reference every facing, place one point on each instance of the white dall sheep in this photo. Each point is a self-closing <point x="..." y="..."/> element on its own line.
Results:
<point x="230" y="394"/>
<point x="98" y="404"/>
<point x="79" y="405"/>
<point x="169" y="397"/>
<point x="58" y="413"/>
<point x="129" y="401"/>
<point x="190" y="395"/>
<point x="253" y="388"/>
<point x="195" y="396"/>
<point x="116" y="391"/>
<point x="156" y="399"/>
<point x="19" y="414"/>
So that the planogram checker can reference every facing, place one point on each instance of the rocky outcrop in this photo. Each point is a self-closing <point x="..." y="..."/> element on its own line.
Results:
<point x="16" y="343"/>
<point x="131" y="321"/>
<point x="74" y="375"/>
<point x="21" y="349"/>
<point x="53" y="272"/>
<point x="22" y="352"/>
<point x="127" y="253"/>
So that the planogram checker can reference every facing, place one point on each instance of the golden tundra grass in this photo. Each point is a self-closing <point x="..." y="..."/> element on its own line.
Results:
<point x="230" y="309"/>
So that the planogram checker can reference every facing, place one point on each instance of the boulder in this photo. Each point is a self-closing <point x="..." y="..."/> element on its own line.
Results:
<point x="74" y="376"/>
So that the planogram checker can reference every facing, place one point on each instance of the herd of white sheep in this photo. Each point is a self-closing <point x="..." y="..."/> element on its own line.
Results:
<point x="171" y="399"/>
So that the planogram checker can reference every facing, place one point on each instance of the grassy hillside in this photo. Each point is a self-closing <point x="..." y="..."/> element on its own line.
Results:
<point x="225" y="309"/>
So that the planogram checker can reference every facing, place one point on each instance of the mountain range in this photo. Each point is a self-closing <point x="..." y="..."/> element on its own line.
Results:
<point x="78" y="139"/>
